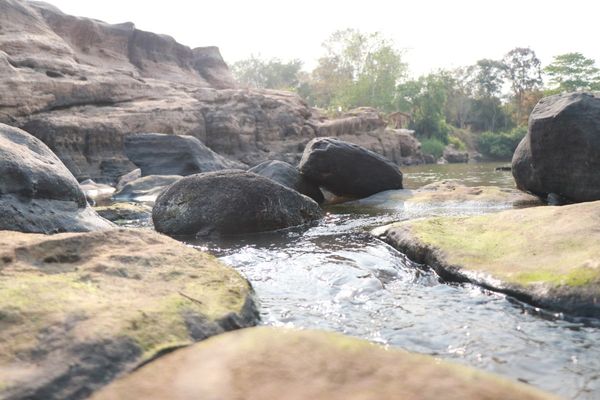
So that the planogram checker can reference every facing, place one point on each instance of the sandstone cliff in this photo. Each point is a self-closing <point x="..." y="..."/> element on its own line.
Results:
<point x="81" y="85"/>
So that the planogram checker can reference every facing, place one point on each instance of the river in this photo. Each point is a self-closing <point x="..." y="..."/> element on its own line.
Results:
<point x="335" y="276"/>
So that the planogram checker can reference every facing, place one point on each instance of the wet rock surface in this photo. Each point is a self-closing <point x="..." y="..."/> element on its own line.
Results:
<point x="160" y="154"/>
<point x="271" y="363"/>
<point x="124" y="212"/>
<point x="288" y="175"/>
<point x="37" y="193"/>
<point x="547" y="256"/>
<point x="346" y="169"/>
<point x="559" y="154"/>
<point x="77" y="310"/>
<point x="145" y="189"/>
<point x="230" y="202"/>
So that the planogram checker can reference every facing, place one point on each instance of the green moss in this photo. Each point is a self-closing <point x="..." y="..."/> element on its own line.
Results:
<point x="578" y="277"/>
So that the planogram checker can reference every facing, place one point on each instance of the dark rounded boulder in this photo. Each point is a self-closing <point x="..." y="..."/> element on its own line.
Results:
<point x="348" y="170"/>
<point x="230" y="202"/>
<point x="560" y="154"/>
<point x="160" y="154"/>
<point x="288" y="175"/>
<point x="38" y="194"/>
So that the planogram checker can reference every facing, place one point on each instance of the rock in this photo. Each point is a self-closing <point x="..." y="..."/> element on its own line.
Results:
<point x="448" y="194"/>
<point x="37" y="193"/>
<point x="96" y="193"/>
<point x="346" y="169"/>
<point x="366" y="127"/>
<point x="129" y="177"/>
<point x="275" y="363"/>
<point x="289" y="176"/>
<point x="230" y="202"/>
<point x="547" y="256"/>
<point x="454" y="155"/>
<point x="559" y="154"/>
<point x="158" y="154"/>
<point x="145" y="189"/>
<point x="124" y="212"/>
<point x="77" y="310"/>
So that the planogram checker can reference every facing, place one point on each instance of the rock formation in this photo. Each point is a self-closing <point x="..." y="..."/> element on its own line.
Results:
<point x="81" y="86"/>
<point x="560" y="154"/>
<point x="288" y="175"/>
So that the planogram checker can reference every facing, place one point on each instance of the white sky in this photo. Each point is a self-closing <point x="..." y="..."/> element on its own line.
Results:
<point x="435" y="33"/>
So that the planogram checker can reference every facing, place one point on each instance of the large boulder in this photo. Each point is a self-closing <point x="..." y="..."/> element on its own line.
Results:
<point x="77" y="310"/>
<point x="145" y="189"/>
<point x="347" y="169"/>
<point x="37" y="192"/>
<point x="159" y="154"/>
<point x="274" y="363"/>
<point x="289" y="176"/>
<point x="230" y="202"/>
<point x="547" y="256"/>
<point x="454" y="155"/>
<point x="560" y="152"/>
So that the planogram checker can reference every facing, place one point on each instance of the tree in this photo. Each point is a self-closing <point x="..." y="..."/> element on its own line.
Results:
<point x="358" y="69"/>
<point x="572" y="71"/>
<point x="523" y="70"/>
<point x="486" y="78"/>
<point x="267" y="74"/>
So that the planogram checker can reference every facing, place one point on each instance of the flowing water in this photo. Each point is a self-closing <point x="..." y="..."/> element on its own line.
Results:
<point x="335" y="276"/>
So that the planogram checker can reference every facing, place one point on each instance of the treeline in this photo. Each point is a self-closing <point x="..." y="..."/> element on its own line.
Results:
<point x="487" y="103"/>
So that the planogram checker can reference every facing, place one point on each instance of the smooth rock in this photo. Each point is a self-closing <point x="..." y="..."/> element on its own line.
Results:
<point x="159" y="154"/>
<point x="560" y="152"/>
<point x="288" y="175"/>
<point x="96" y="193"/>
<point x="547" y="256"/>
<point x="145" y="189"/>
<point x="37" y="192"/>
<point x="275" y="363"/>
<point x="346" y="169"/>
<point x="230" y="202"/>
<point x="128" y="177"/>
<point x="77" y="310"/>
<point x="454" y="155"/>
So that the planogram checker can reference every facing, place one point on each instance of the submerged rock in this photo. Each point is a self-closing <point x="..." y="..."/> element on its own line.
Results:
<point x="346" y="169"/>
<point x="274" y="363"/>
<point x="230" y="202"/>
<point x="145" y="189"/>
<point x="560" y="153"/>
<point x="547" y="256"/>
<point x="289" y="176"/>
<point x="124" y="212"/>
<point x="159" y="154"/>
<point x="77" y="310"/>
<point x="37" y="192"/>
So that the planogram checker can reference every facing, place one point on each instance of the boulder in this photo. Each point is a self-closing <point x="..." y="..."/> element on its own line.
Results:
<point x="275" y="363"/>
<point x="145" y="189"/>
<point x="230" y="202"/>
<point x="346" y="169"/>
<point x="159" y="154"/>
<point x="77" y="310"/>
<point x="546" y="256"/>
<point x="288" y="175"/>
<point x="454" y="155"/>
<point x="37" y="192"/>
<point x="128" y="177"/>
<point x="560" y="152"/>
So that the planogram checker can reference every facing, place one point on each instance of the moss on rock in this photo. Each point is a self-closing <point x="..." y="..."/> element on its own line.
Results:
<point x="134" y="293"/>
<point x="273" y="363"/>
<point x="549" y="256"/>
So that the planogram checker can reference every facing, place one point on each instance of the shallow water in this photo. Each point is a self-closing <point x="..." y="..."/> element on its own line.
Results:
<point x="335" y="276"/>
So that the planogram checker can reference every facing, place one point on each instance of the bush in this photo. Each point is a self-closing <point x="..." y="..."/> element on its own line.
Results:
<point x="433" y="147"/>
<point x="501" y="145"/>
<point x="457" y="143"/>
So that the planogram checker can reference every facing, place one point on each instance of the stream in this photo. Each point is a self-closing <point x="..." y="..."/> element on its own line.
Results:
<point x="335" y="276"/>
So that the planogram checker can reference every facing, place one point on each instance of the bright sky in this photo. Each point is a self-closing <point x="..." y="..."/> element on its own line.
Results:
<point x="434" y="33"/>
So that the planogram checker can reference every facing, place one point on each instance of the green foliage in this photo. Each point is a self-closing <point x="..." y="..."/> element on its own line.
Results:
<point x="524" y="72"/>
<point x="572" y="71"/>
<point x="267" y="74"/>
<point x="457" y="143"/>
<point x="432" y="147"/>
<point x="501" y="145"/>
